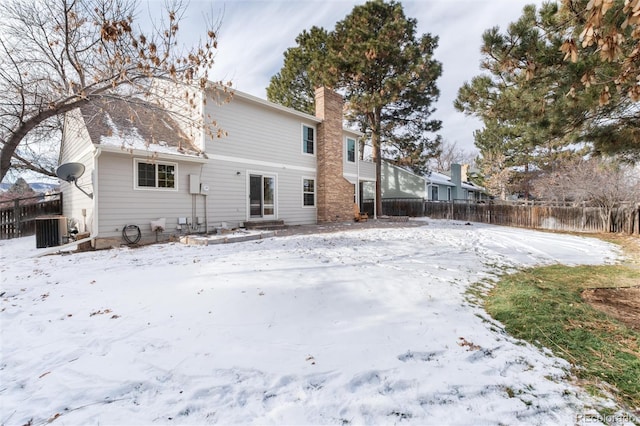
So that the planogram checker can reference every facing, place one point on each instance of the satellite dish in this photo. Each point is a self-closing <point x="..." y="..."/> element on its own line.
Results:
<point x="71" y="172"/>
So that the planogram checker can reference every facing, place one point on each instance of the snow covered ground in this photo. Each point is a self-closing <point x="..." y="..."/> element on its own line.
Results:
<point x="358" y="327"/>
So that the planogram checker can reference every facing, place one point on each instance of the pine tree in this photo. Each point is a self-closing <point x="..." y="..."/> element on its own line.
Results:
<point x="386" y="73"/>
<point x="20" y="189"/>
<point x="294" y="86"/>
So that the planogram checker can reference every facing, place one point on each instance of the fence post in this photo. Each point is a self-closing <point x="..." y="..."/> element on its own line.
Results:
<point x="17" y="223"/>
<point x="18" y="215"/>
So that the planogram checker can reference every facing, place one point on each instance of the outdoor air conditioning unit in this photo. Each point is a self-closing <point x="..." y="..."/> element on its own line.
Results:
<point x="51" y="231"/>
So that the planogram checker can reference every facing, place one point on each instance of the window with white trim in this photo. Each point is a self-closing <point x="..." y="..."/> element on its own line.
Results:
<point x="308" y="192"/>
<point x="308" y="139"/>
<point x="351" y="150"/>
<point x="155" y="175"/>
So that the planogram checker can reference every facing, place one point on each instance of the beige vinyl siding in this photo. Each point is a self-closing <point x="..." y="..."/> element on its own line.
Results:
<point x="291" y="207"/>
<point x="260" y="139"/>
<point x="367" y="171"/>
<point x="229" y="194"/>
<point x="120" y="204"/>
<point x="75" y="141"/>
<point x="254" y="132"/>
<point x="76" y="147"/>
<point x="227" y="197"/>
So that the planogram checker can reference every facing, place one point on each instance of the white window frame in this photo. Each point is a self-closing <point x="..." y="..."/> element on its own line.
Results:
<point x="315" y="192"/>
<point x="448" y="193"/>
<point x="346" y="150"/>
<point x="262" y="174"/>
<point x="304" y="140"/>
<point x="156" y="163"/>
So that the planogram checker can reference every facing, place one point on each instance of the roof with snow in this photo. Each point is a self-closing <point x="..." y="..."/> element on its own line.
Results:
<point x="136" y="125"/>
<point x="435" y="178"/>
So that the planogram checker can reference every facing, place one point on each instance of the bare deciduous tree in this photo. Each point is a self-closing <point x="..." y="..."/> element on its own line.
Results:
<point x="58" y="55"/>
<point x="450" y="153"/>
<point x="497" y="176"/>
<point x="604" y="183"/>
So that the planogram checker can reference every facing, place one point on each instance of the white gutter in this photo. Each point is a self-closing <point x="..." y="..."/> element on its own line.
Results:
<point x="155" y="154"/>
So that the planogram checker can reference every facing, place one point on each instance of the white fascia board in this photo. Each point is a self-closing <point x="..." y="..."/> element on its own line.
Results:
<point x="472" y="187"/>
<point x="439" y="182"/>
<point x="270" y="164"/>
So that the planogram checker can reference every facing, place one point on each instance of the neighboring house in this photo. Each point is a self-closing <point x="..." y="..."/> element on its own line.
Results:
<point x="399" y="183"/>
<point x="464" y="189"/>
<point x="274" y="163"/>
<point x="439" y="187"/>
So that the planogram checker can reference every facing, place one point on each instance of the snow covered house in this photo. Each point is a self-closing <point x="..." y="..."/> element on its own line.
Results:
<point x="274" y="163"/>
<point x="463" y="189"/>
<point x="439" y="187"/>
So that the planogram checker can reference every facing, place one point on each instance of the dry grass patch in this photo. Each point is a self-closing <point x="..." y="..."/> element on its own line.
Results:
<point x="587" y="315"/>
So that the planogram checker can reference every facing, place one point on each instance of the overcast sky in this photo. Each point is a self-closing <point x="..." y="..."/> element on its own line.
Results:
<point x="254" y="35"/>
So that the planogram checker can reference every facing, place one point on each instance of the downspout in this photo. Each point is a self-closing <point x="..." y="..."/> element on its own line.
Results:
<point x="203" y="146"/>
<point x="206" y="220"/>
<point x="96" y="194"/>
<point x="358" y="175"/>
<point x="375" y="205"/>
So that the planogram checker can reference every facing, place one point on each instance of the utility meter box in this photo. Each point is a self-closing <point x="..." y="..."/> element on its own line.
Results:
<point x="194" y="184"/>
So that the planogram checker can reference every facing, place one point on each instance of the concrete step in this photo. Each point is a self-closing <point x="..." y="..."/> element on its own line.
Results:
<point x="265" y="225"/>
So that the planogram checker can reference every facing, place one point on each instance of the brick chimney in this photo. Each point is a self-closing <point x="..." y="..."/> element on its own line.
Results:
<point x="335" y="193"/>
<point x="456" y="179"/>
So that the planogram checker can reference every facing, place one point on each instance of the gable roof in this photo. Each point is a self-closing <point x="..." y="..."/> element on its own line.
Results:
<point x="135" y="125"/>
<point x="435" y="178"/>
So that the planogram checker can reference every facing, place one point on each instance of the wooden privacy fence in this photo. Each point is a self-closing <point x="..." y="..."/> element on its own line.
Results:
<point x="18" y="217"/>
<point x="413" y="207"/>
<point x="577" y="219"/>
<point x="624" y="219"/>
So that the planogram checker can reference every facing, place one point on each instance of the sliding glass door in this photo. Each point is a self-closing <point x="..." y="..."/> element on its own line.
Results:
<point x="262" y="196"/>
